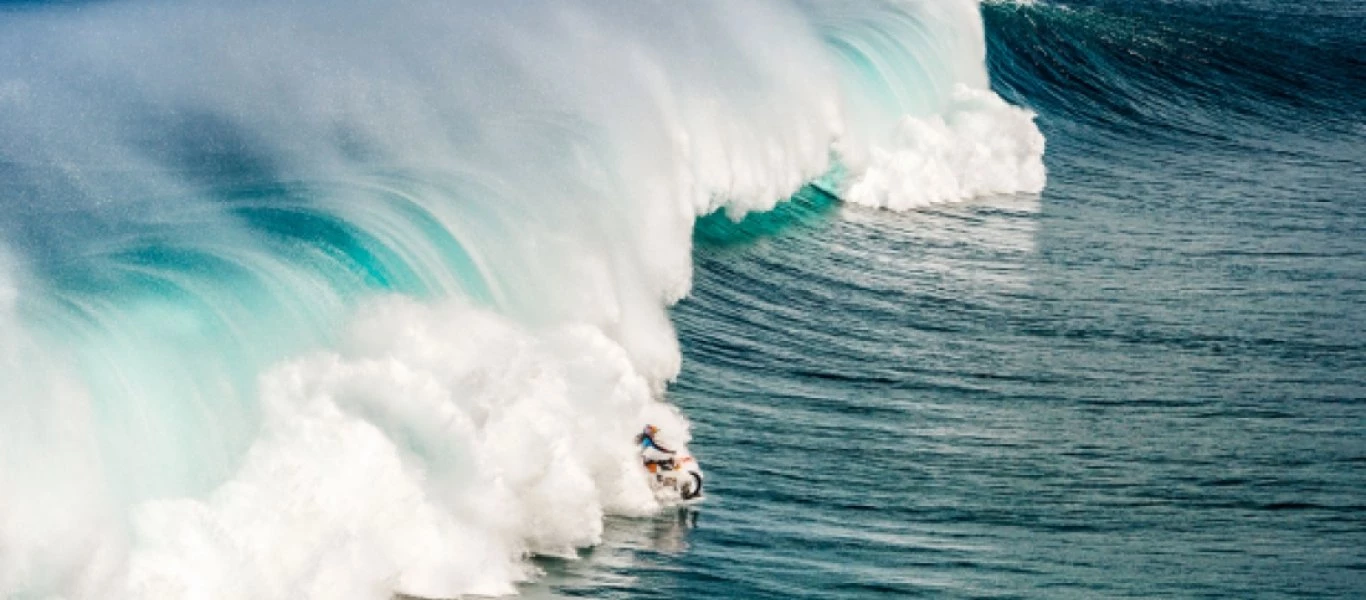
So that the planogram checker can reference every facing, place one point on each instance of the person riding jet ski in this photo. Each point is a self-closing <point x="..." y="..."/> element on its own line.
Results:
<point x="650" y="450"/>
<point x="674" y="474"/>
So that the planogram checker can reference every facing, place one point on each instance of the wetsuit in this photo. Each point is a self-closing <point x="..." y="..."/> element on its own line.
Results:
<point x="653" y="453"/>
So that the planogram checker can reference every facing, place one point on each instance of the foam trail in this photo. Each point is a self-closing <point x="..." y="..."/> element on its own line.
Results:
<point x="338" y="300"/>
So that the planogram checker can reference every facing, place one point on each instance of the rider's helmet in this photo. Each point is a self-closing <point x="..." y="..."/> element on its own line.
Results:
<point x="650" y="430"/>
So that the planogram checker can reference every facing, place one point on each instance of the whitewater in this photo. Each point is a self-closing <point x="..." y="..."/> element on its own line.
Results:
<point x="337" y="300"/>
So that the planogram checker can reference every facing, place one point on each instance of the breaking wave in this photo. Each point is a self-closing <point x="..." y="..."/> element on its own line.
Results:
<point x="343" y="299"/>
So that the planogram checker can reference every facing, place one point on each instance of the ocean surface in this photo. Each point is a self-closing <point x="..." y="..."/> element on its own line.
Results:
<point x="1051" y="299"/>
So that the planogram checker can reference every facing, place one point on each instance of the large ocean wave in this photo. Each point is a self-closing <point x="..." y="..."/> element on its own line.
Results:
<point x="341" y="300"/>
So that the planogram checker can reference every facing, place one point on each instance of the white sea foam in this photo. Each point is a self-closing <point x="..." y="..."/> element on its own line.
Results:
<point x="978" y="146"/>
<point x="429" y="454"/>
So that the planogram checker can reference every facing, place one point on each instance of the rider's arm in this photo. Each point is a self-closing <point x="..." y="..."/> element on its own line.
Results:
<point x="654" y="454"/>
<point x="650" y="443"/>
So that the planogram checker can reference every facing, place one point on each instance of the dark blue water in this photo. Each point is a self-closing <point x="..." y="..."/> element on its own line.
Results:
<point x="1149" y="381"/>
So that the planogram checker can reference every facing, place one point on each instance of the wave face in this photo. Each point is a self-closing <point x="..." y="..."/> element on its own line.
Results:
<point x="341" y="300"/>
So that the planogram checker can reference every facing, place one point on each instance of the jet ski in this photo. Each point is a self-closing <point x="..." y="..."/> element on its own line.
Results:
<point x="674" y="475"/>
<point x="676" y="482"/>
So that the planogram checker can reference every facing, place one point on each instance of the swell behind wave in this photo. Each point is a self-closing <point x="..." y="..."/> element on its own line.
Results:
<point x="1228" y="73"/>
